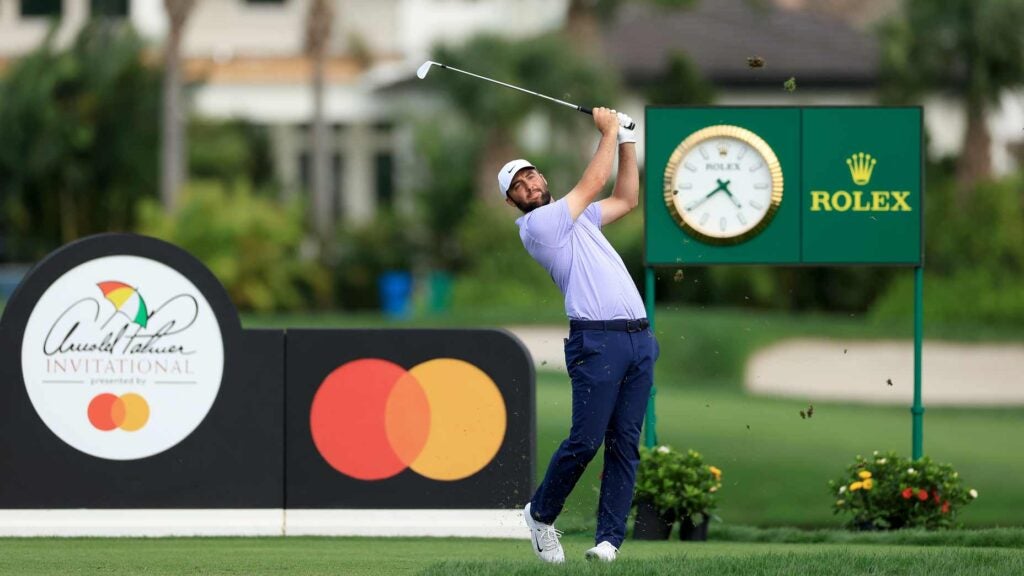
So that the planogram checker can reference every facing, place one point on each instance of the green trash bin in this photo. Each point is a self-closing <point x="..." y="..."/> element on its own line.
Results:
<point x="440" y="300"/>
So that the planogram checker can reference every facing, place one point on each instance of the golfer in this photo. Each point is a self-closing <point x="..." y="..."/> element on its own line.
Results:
<point x="610" y="351"/>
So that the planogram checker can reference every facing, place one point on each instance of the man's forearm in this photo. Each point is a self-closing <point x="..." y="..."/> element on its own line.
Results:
<point x="600" y="167"/>
<point x="627" y="183"/>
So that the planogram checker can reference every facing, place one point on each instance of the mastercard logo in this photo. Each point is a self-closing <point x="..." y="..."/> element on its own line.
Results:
<point x="129" y="412"/>
<point x="443" y="419"/>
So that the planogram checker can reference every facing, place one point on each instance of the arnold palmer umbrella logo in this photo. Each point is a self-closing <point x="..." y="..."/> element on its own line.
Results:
<point x="122" y="357"/>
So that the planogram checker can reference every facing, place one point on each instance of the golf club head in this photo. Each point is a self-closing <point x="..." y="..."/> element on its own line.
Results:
<point x="422" y="71"/>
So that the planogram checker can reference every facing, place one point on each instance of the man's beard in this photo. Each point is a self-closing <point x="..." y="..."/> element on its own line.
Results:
<point x="527" y="207"/>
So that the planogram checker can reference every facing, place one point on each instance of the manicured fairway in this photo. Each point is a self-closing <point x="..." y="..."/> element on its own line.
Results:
<point x="372" y="556"/>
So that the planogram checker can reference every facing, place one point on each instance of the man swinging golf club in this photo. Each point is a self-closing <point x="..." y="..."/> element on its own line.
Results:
<point x="610" y="351"/>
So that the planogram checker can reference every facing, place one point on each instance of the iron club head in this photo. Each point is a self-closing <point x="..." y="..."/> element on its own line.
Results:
<point x="421" y="72"/>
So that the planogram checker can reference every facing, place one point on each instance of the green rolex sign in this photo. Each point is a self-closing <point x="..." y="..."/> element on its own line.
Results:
<point x="784" y="185"/>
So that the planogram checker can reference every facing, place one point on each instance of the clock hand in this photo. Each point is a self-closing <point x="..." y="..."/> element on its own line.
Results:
<point x="724" y="187"/>
<point x="704" y="198"/>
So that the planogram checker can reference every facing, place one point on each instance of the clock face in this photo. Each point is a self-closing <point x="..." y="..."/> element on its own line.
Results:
<point x="723" y="184"/>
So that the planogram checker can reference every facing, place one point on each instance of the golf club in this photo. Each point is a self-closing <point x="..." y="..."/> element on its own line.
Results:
<point x="425" y="68"/>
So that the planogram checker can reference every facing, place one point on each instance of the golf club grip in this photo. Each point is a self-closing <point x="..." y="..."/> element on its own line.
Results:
<point x="590" y="111"/>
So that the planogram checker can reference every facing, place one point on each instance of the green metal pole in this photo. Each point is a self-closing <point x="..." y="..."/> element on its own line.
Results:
<point x="918" y="409"/>
<point x="650" y="423"/>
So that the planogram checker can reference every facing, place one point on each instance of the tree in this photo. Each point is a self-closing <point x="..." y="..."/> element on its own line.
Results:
<point x="319" y="23"/>
<point x="681" y="85"/>
<point x="172" y="142"/>
<point x="546" y="64"/>
<point x="77" y="132"/>
<point x="975" y="49"/>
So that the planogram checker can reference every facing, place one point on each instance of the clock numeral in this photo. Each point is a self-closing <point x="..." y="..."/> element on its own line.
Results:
<point x="721" y="223"/>
<point x="704" y="218"/>
<point x="755" y="167"/>
<point x="690" y="167"/>
<point x="741" y="218"/>
<point x="756" y="205"/>
<point x="703" y="152"/>
<point x="685" y="186"/>
<point x="761" y="185"/>
<point x="742" y="153"/>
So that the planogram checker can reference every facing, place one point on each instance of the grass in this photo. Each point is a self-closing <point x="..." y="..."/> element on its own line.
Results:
<point x="976" y="538"/>
<point x="392" y="556"/>
<point x="775" y="472"/>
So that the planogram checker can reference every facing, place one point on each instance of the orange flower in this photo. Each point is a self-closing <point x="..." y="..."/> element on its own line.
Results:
<point x="715" y="472"/>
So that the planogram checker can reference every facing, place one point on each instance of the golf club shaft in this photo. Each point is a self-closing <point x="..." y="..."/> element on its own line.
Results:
<point x="583" y="109"/>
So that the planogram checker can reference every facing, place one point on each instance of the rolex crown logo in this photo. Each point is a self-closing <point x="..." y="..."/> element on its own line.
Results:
<point x="723" y="150"/>
<point x="861" y="165"/>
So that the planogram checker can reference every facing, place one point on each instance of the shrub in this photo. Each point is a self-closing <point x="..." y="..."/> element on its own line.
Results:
<point x="250" y="243"/>
<point x="962" y="263"/>
<point x="498" y="271"/>
<point x="679" y="482"/>
<point x="365" y="251"/>
<point x="889" y="492"/>
<point x="78" y="134"/>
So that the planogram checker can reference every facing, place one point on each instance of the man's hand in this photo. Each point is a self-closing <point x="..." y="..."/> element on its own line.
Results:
<point x="625" y="135"/>
<point x="606" y="121"/>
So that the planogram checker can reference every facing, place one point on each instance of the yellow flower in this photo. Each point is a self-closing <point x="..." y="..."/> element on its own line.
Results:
<point x="869" y="484"/>
<point x="856" y="486"/>
<point x="715" y="472"/>
<point x="864" y="474"/>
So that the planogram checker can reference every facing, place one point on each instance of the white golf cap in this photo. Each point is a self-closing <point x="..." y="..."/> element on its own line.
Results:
<point x="508" y="172"/>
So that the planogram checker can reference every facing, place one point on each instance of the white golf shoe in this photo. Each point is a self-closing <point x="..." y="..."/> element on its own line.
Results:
<point x="545" y="539"/>
<point x="603" y="551"/>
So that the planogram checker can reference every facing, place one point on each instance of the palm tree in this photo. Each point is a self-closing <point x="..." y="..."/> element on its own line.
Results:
<point x="319" y="23"/>
<point x="974" y="48"/>
<point x="172" y="144"/>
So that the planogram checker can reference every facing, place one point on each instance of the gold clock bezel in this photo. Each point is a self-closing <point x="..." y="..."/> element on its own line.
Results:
<point x="727" y="131"/>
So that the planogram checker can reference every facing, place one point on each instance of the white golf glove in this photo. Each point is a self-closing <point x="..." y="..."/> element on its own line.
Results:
<point x="625" y="134"/>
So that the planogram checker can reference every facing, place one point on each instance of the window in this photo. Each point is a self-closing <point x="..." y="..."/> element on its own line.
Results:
<point x="334" y="185"/>
<point x="385" y="180"/>
<point x="30" y="8"/>
<point x="338" y="173"/>
<point x="108" y="8"/>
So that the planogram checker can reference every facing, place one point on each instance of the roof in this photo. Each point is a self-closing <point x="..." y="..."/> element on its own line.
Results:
<point x="719" y="35"/>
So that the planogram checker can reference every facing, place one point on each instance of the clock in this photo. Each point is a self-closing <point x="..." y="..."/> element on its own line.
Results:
<point x="723" y="184"/>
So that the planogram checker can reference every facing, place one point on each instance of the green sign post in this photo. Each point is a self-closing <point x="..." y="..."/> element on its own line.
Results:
<point x="794" y="186"/>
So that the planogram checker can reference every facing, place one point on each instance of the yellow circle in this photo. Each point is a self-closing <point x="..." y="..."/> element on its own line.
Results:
<point x="136" y="412"/>
<point x="467" y="419"/>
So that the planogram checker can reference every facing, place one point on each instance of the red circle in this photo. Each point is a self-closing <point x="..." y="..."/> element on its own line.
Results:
<point x="101" y="413"/>
<point x="347" y="419"/>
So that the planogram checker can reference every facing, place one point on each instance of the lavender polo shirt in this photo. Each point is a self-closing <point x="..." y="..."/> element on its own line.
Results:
<point x="582" y="263"/>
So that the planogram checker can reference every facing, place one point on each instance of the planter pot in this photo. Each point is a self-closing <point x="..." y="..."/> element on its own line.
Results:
<point x="688" y="530"/>
<point x="650" y="525"/>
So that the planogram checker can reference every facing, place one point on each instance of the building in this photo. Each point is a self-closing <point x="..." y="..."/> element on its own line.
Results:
<point x="249" y="55"/>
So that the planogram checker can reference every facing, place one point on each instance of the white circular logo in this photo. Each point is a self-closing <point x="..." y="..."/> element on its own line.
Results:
<point x="122" y="357"/>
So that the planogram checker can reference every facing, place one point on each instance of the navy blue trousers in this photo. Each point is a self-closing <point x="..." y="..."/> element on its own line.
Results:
<point x="612" y="373"/>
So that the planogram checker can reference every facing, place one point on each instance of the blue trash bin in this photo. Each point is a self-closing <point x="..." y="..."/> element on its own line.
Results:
<point x="395" y="293"/>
